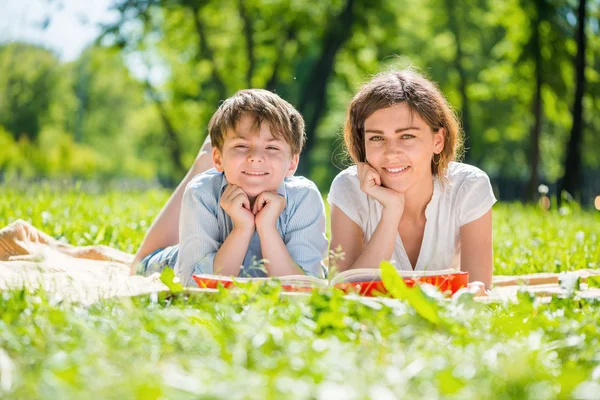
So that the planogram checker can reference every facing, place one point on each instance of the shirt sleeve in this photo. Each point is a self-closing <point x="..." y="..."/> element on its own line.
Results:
<point x="198" y="232"/>
<point x="476" y="197"/>
<point x="345" y="194"/>
<point x="304" y="236"/>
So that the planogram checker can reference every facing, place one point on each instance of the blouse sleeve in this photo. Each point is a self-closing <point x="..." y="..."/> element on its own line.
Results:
<point x="476" y="197"/>
<point x="345" y="194"/>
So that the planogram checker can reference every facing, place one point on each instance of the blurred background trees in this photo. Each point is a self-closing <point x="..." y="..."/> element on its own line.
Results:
<point x="523" y="75"/>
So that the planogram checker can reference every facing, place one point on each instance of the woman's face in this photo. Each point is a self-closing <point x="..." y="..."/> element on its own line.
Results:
<point x="400" y="145"/>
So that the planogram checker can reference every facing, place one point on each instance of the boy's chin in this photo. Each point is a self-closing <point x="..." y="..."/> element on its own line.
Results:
<point x="253" y="192"/>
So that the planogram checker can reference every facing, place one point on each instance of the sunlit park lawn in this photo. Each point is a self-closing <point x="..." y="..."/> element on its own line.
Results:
<point x="526" y="238"/>
<point x="259" y="344"/>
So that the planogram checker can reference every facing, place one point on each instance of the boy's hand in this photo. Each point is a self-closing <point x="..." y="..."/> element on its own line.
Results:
<point x="236" y="204"/>
<point x="267" y="208"/>
<point x="370" y="183"/>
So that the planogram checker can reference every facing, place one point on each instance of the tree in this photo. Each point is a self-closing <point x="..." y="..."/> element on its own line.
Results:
<point x="571" y="181"/>
<point x="27" y="87"/>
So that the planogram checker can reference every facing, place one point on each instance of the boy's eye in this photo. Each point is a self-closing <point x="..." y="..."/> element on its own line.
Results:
<point x="272" y="148"/>
<point x="241" y="146"/>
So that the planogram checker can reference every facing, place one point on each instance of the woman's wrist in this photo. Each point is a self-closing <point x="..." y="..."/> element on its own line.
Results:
<point x="392" y="212"/>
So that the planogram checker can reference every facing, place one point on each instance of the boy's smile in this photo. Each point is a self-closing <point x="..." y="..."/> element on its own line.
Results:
<point x="254" y="159"/>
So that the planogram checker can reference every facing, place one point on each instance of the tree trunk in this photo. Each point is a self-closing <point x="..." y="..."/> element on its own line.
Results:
<point x="463" y="83"/>
<point x="534" y="149"/>
<point x="313" y="99"/>
<point x="571" y="181"/>
<point x="249" y="35"/>
<point x="206" y="52"/>
<point x="172" y="138"/>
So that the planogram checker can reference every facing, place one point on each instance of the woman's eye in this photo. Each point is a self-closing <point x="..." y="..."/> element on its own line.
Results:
<point x="376" y="138"/>
<point x="407" y="136"/>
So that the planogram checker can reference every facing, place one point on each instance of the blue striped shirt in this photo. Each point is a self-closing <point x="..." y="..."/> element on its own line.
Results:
<point x="204" y="225"/>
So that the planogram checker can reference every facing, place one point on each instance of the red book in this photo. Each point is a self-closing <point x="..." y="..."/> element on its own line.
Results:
<point x="364" y="281"/>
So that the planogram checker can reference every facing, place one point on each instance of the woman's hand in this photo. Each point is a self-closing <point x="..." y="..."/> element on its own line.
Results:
<point x="370" y="183"/>
<point x="477" y="288"/>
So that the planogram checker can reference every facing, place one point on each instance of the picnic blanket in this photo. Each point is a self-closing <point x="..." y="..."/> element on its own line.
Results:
<point x="29" y="257"/>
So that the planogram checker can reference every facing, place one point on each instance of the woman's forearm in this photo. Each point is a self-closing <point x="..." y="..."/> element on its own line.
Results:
<point x="381" y="245"/>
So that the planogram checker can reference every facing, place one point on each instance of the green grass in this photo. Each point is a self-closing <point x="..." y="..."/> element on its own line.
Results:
<point x="258" y="344"/>
<point x="526" y="239"/>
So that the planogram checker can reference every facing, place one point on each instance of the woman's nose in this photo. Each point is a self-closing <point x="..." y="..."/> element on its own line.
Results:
<point x="392" y="148"/>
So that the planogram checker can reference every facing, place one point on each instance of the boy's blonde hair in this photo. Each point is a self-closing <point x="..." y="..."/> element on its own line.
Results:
<point x="285" y="121"/>
<point x="421" y="95"/>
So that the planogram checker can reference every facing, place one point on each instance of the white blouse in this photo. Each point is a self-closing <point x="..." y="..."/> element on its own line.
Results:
<point x="464" y="197"/>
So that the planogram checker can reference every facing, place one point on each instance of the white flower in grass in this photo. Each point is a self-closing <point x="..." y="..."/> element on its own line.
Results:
<point x="7" y="371"/>
<point x="579" y="236"/>
<point x="564" y="211"/>
<point x="543" y="189"/>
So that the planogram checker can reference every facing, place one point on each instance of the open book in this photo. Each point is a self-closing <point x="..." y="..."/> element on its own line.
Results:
<point x="365" y="281"/>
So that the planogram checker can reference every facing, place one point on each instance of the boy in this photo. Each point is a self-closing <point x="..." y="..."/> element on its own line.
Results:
<point x="251" y="207"/>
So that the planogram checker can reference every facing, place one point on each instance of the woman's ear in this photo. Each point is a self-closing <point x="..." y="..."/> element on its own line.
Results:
<point x="217" y="159"/>
<point x="293" y="165"/>
<point x="439" y="139"/>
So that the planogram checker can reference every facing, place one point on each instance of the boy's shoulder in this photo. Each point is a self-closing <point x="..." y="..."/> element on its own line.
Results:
<point x="299" y="184"/>
<point x="209" y="181"/>
<point x="299" y="189"/>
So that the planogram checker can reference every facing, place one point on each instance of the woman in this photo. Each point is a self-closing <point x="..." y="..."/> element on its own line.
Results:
<point x="406" y="200"/>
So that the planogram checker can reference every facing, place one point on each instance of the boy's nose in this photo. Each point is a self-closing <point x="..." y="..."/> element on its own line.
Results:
<point x="255" y="156"/>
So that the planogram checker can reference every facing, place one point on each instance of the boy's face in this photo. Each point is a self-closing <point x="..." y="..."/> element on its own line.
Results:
<point x="254" y="159"/>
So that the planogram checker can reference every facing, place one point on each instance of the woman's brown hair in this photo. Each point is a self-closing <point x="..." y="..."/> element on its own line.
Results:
<point x="422" y="96"/>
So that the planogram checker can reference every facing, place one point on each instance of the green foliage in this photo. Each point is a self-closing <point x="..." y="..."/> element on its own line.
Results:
<point x="527" y="239"/>
<point x="415" y="297"/>
<point x="258" y="343"/>
<point x="86" y="119"/>
<point x="168" y="278"/>
<point x="28" y="88"/>
<point x="189" y="55"/>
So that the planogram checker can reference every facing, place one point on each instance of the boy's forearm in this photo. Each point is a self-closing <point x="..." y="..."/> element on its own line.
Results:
<point x="230" y="256"/>
<point x="274" y="249"/>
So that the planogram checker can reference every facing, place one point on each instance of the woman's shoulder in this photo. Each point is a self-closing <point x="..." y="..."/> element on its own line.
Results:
<point x="349" y="176"/>
<point x="458" y="172"/>
<point x="461" y="178"/>
<point x="345" y="194"/>
<point x="470" y="191"/>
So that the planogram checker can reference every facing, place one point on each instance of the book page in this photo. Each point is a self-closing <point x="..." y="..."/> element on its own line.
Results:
<point x="374" y="274"/>
<point x="299" y="281"/>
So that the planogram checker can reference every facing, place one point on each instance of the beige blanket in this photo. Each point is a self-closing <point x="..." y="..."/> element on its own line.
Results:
<point x="86" y="274"/>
